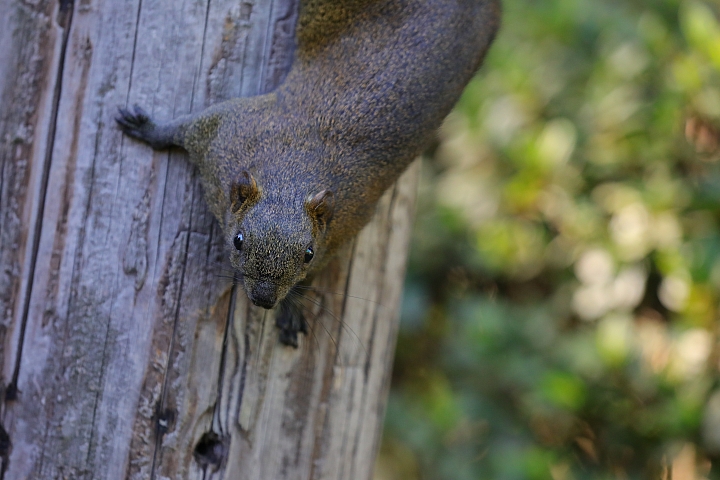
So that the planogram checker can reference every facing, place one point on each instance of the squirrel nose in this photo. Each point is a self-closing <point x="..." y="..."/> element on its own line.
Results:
<point x="261" y="302"/>
<point x="264" y="295"/>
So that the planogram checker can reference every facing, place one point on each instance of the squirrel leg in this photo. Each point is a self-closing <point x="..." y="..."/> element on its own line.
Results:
<point x="290" y="321"/>
<point x="136" y="122"/>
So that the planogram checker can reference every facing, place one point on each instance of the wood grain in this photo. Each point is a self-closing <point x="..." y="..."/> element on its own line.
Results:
<point x="125" y="352"/>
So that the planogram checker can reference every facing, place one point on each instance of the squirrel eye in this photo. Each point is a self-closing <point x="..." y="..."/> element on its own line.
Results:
<point x="309" y="254"/>
<point x="238" y="241"/>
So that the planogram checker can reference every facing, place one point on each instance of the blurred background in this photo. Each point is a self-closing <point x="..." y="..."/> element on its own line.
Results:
<point x="560" y="318"/>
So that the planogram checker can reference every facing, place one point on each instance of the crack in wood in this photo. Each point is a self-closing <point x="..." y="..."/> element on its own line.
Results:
<point x="210" y="452"/>
<point x="168" y="367"/>
<point x="64" y="18"/>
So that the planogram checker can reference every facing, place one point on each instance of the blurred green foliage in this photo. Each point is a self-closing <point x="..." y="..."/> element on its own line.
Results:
<point x="560" y="318"/>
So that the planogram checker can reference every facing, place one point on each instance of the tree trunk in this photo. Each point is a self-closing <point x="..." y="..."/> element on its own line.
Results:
<point x="126" y="353"/>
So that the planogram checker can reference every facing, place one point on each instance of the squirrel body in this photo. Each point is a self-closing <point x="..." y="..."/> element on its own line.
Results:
<point x="294" y="174"/>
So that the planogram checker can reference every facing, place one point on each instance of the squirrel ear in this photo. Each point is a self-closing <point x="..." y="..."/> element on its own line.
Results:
<point x="320" y="208"/>
<point x="244" y="189"/>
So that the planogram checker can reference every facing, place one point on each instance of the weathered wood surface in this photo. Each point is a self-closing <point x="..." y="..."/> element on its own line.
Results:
<point x="125" y="353"/>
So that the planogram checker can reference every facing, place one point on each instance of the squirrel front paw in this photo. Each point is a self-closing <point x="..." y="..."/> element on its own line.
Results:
<point x="136" y="123"/>
<point x="290" y="321"/>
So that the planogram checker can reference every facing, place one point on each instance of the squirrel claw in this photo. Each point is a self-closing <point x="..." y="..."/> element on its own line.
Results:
<point x="136" y="123"/>
<point x="141" y="114"/>
<point x="135" y="120"/>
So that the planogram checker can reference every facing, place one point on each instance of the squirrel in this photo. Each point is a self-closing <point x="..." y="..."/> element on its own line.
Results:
<point x="294" y="174"/>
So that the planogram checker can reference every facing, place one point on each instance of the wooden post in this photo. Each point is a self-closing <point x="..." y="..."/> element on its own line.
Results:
<point x="125" y="352"/>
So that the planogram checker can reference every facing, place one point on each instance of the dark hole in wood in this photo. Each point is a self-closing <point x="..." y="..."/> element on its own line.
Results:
<point x="165" y="421"/>
<point x="210" y="451"/>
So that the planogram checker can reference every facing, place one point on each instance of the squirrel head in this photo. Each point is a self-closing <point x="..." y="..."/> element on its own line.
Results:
<point x="274" y="241"/>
